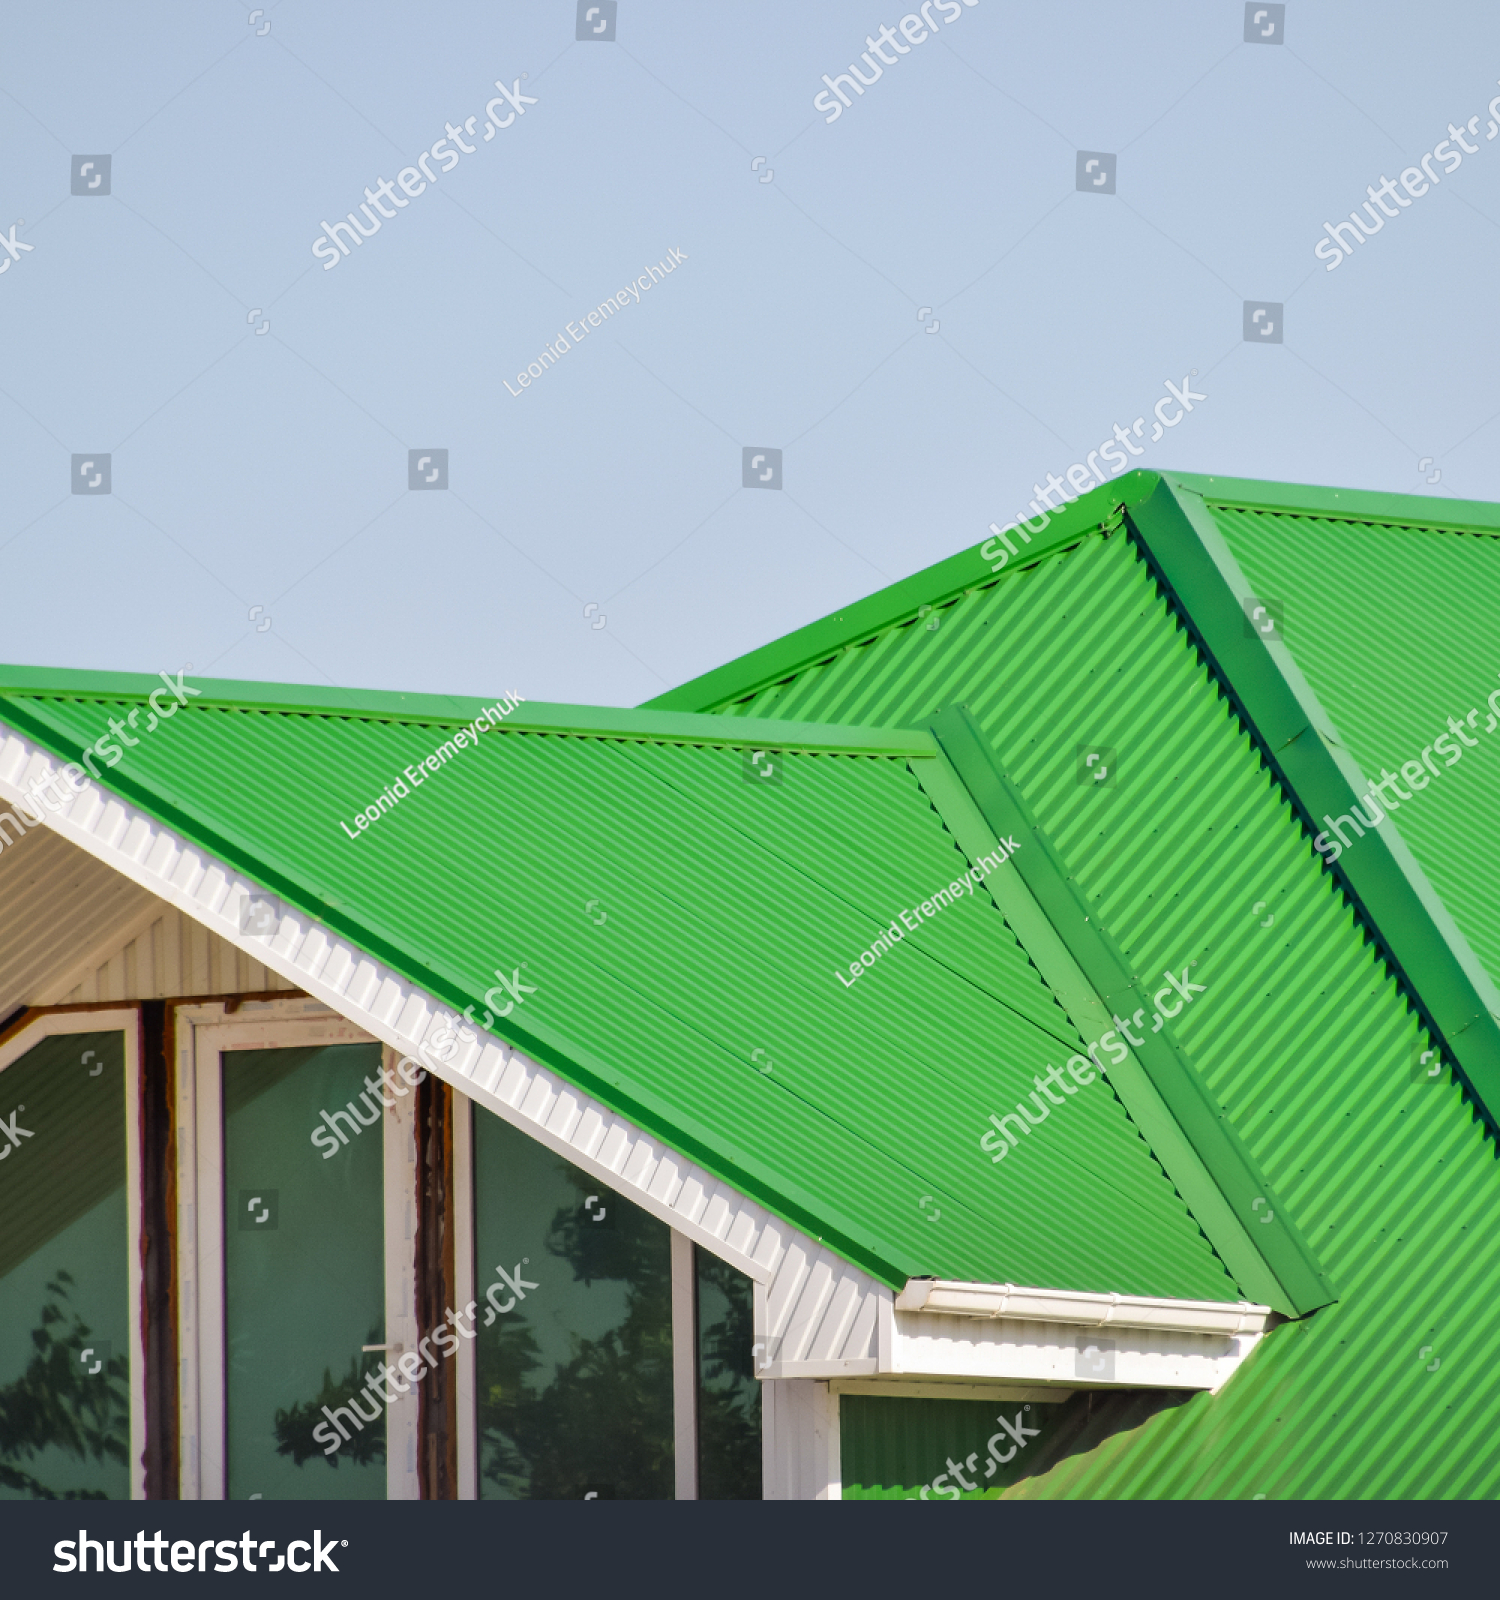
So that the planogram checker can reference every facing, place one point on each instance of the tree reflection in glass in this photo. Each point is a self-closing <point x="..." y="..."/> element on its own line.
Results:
<point x="64" y="1273"/>
<point x="575" y="1379"/>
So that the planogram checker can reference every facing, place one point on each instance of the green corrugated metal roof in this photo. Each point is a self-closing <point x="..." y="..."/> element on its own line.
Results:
<point x="1303" y="1038"/>
<point x="1413" y="641"/>
<point x="1118" y="626"/>
<point x="729" y="905"/>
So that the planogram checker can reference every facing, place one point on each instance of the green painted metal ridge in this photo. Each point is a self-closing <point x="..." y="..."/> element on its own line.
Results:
<point x="1263" y="1250"/>
<point x="596" y="722"/>
<point x="864" y="619"/>
<point x="63" y="683"/>
<point x="1087" y="1012"/>
<point x="1354" y="505"/>
<point x="1446" y="983"/>
<point x="694" y="728"/>
<point x="539" y="1041"/>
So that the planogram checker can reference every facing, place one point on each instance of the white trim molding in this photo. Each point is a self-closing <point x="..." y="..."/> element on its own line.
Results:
<point x="1105" y="1341"/>
<point x="204" y="1033"/>
<point x="944" y="1296"/>
<point x="896" y="1389"/>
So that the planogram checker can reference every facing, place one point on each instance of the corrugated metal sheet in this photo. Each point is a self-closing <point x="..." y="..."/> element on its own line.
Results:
<point x="1397" y="629"/>
<point x="809" y="1303"/>
<point x="901" y="1449"/>
<point x="728" y="907"/>
<point x="1301" y="1036"/>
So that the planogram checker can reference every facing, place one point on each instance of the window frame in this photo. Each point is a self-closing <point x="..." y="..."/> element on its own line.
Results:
<point x="203" y="1033"/>
<point x="684" y="1318"/>
<point x="124" y="1019"/>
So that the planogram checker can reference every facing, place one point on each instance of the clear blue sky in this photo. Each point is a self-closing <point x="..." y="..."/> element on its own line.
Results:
<point x="270" y="468"/>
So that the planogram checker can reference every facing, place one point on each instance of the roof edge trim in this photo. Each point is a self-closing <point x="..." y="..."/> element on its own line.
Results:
<point x="68" y="683"/>
<point x="523" y="716"/>
<point x="864" y="619"/>
<point x="692" y="728"/>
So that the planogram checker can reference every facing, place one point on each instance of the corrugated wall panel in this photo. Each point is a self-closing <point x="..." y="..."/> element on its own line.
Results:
<point x="902" y="1449"/>
<point x="73" y="931"/>
<point x="57" y="905"/>
<point x="158" y="964"/>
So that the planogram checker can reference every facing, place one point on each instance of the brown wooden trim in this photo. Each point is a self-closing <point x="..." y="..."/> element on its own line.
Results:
<point x="437" y="1410"/>
<point x="158" y="1145"/>
<point x="233" y="1002"/>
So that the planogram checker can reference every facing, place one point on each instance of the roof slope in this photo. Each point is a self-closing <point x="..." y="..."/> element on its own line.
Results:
<point x="1412" y="640"/>
<point x="1303" y="1035"/>
<point x="703" y="1004"/>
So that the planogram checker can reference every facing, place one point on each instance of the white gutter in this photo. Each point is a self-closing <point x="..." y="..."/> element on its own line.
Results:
<point x="948" y="1298"/>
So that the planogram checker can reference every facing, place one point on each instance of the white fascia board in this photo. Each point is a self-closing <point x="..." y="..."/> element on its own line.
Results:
<point x="929" y="1345"/>
<point x="941" y="1297"/>
<point x="854" y="1367"/>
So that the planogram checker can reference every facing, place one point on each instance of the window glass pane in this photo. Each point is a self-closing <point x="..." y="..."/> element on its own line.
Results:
<point x="575" y="1364"/>
<point x="304" y="1277"/>
<point x="64" y="1272"/>
<point x="729" y="1461"/>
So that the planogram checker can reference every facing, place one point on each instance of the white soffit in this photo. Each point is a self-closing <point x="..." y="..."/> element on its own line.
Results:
<point x="816" y="1316"/>
<point x="76" y="932"/>
<point x="61" y="908"/>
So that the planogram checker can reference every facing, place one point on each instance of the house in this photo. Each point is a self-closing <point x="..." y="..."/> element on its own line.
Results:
<point x="1017" y="1036"/>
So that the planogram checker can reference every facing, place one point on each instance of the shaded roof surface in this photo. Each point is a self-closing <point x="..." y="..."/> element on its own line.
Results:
<point x="1196" y="854"/>
<point x="728" y="904"/>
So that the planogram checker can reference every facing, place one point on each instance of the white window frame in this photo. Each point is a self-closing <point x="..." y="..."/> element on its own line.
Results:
<point x="204" y="1033"/>
<point x="126" y="1020"/>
